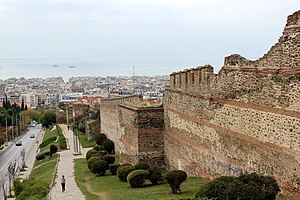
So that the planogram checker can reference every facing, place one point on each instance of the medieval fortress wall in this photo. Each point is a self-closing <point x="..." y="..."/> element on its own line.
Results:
<point x="245" y="118"/>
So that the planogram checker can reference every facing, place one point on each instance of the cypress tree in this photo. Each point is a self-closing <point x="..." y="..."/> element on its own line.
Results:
<point x="22" y="105"/>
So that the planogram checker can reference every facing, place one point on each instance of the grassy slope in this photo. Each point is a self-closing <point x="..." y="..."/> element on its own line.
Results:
<point x="115" y="189"/>
<point x="49" y="134"/>
<point x="85" y="143"/>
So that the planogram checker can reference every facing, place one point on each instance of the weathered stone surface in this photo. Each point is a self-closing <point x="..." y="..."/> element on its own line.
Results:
<point x="245" y="118"/>
<point x="109" y="117"/>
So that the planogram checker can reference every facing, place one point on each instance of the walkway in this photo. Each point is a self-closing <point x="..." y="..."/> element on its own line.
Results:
<point x="66" y="168"/>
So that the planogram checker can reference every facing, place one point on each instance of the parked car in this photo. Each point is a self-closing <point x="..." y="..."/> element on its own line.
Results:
<point x="32" y="136"/>
<point x="19" y="143"/>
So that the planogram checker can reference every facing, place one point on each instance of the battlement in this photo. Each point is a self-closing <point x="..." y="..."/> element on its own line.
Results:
<point x="282" y="59"/>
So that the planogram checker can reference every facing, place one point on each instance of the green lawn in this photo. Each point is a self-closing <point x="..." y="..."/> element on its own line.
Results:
<point x="43" y="172"/>
<point x="48" y="134"/>
<point x="44" y="169"/>
<point x="113" y="189"/>
<point x="110" y="188"/>
<point x="85" y="143"/>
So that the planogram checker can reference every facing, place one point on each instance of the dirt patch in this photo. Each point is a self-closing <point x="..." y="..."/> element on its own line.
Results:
<point x="102" y="195"/>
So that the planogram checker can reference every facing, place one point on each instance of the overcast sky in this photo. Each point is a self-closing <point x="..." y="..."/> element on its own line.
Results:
<point x="109" y="37"/>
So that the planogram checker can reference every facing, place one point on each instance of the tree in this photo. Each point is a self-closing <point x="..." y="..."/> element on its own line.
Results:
<point x="48" y="118"/>
<point x="53" y="149"/>
<point x="22" y="105"/>
<point x="175" y="178"/>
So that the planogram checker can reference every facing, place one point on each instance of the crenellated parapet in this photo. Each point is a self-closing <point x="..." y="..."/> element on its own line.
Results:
<point x="244" y="119"/>
<point x="263" y="81"/>
<point x="193" y="79"/>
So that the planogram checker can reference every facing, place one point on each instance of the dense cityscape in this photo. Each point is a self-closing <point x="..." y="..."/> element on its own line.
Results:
<point x="37" y="92"/>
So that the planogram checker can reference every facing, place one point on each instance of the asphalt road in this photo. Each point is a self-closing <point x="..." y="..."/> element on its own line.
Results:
<point x="13" y="154"/>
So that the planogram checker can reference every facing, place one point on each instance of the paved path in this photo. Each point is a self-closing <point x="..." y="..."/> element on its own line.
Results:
<point x="66" y="168"/>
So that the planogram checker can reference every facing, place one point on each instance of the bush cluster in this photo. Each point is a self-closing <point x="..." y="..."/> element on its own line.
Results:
<point x="99" y="167"/>
<point x="40" y="156"/>
<point x="98" y="147"/>
<point x="113" y="168"/>
<point x="100" y="138"/>
<point x="99" y="160"/>
<point x="109" y="146"/>
<point x="246" y="187"/>
<point x="136" y="178"/>
<point x="32" y="190"/>
<point x="123" y="171"/>
<point x="142" y="165"/>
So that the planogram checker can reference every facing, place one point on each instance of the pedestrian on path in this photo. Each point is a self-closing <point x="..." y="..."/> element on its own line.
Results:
<point x="63" y="183"/>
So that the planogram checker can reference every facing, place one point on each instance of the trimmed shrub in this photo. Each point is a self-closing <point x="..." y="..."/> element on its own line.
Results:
<point x="175" y="178"/>
<point x="98" y="147"/>
<point x="123" y="171"/>
<point x="99" y="167"/>
<point x="110" y="159"/>
<point x="142" y="165"/>
<point x="136" y="178"/>
<point x="92" y="160"/>
<point x="40" y="156"/>
<point x="103" y="152"/>
<point x="100" y="138"/>
<point x="48" y="141"/>
<point x="109" y="146"/>
<point x="47" y="153"/>
<point x="62" y="143"/>
<point x="90" y="153"/>
<point x="53" y="149"/>
<point x="246" y="186"/>
<point x="155" y="175"/>
<point x="97" y="155"/>
<point x="113" y="168"/>
<point x="126" y="164"/>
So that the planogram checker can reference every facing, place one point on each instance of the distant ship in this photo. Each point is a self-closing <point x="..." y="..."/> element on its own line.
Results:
<point x="55" y="66"/>
<point x="72" y="66"/>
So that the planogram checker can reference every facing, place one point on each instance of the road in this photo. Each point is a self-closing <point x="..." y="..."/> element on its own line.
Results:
<point x="16" y="156"/>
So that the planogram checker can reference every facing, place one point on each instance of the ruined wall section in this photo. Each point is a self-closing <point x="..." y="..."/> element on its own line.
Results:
<point x="266" y="81"/>
<point x="245" y="118"/>
<point x="142" y="134"/>
<point x="109" y="118"/>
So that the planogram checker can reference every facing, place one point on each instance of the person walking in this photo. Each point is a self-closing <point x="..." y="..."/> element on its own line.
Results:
<point x="63" y="183"/>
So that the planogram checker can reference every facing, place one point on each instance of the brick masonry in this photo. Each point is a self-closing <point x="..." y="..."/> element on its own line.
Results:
<point x="246" y="118"/>
<point x="142" y="136"/>
<point x="109" y="118"/>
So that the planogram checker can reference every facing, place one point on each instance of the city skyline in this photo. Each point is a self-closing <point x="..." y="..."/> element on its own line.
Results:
<point x="109" y="38"/>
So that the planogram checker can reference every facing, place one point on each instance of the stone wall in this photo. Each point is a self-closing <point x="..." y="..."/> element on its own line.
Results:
<point x="91" y="128"/>
<point x="245" y="118"/>
<point x="142" y="134"/>
<point x="109" y="118"/>
<point x="77" y="111"/>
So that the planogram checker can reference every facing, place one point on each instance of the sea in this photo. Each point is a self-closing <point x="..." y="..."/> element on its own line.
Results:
<point x="67" y="68"/>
